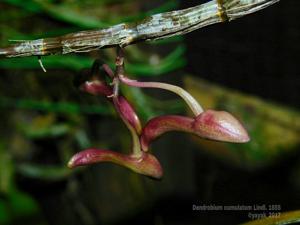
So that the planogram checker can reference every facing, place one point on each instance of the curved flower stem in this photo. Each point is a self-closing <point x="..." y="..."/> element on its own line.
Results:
<point x="190" y="100"/>
<point x="136" y="146"/>
<point x="97" y="86"/>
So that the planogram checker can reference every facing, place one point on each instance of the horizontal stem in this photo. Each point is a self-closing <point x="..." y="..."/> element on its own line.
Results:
<point x="159" y="26"/>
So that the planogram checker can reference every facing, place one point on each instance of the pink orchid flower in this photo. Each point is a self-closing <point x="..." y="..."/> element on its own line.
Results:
<point x="209" y="124"/>
<point x="138" y="161"/>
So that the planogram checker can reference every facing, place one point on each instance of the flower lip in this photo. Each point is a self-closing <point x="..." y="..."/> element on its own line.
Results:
<point x="146" y="164"/>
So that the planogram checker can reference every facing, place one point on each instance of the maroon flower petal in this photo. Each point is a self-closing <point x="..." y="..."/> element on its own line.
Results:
<point x="128" y="113"/>
<point x="162" y="124"/>
<point x="93" y="80"/>
<point x="214" y="125"/>
<point x="96" y="87"/>
<point x="146" y="164"/>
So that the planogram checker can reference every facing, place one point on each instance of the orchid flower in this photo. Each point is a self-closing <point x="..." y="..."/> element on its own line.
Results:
<point x="138" y="161"/>
<point x="209" y="124"/>
<point x="92" y="82"/>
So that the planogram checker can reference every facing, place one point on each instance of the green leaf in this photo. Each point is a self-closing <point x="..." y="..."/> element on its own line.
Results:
<point x="6" y="170"/>
<point x="42" y="172"/>
<point x="57" y="107"/>
<point x="22" y="204"/>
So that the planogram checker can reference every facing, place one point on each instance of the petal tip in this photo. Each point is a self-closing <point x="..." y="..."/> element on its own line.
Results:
<point x="70" y="164"/>
<point x="73" y="162"/>
<point x="246" y="138"/>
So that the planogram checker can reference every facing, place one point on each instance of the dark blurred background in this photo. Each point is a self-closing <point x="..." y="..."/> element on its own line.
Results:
<point x="248" y="67"/>
<point x="256" y="54"/>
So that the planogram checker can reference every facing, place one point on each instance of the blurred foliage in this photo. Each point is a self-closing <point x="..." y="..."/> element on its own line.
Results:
<point x="91" y="14"/>
<point x="44" y="116"/>
<point x="14" y="204"/>
<point x="274" y="129"/>
<point x="17" y="206"/>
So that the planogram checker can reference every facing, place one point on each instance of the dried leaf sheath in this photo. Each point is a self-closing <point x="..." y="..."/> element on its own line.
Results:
<point x="155" y="27"/>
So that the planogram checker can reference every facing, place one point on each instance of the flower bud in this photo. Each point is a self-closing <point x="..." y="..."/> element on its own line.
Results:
<point x="213" y="125"/>
<point x="96" y="87"/>
<point x="220" y="126"/>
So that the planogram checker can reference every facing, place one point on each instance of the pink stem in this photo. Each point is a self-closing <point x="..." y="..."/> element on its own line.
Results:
<point x="192" y="103"/>
<point x="130" y="119"/>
